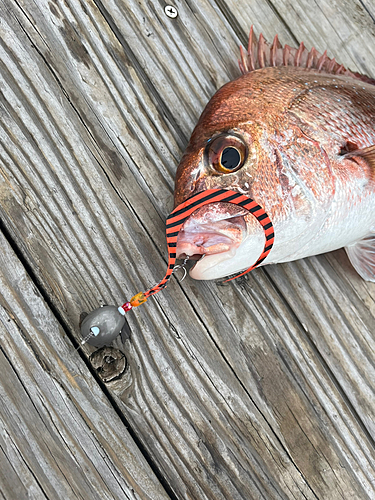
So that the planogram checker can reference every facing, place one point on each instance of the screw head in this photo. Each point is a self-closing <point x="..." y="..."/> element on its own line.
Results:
<point x="171" y="11"/>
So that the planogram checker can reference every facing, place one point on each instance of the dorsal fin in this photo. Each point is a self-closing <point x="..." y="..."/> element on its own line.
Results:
<point x="260" y="54"/>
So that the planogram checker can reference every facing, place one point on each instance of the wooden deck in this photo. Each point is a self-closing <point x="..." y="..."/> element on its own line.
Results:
<point x="258" y="389"/>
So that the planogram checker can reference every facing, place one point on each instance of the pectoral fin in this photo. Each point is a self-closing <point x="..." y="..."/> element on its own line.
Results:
<point x="362" y="256"/>
<point x="367" y="153"/>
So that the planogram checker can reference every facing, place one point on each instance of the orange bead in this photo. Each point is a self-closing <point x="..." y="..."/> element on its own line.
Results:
<point x="138" y="299"/>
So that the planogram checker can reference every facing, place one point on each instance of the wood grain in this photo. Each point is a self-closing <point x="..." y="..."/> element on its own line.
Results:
<point x="257" y="389"/>
<point x="59" y="435"/>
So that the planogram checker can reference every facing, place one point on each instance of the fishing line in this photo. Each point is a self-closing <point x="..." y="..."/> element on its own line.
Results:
<point x="104" y="324"/>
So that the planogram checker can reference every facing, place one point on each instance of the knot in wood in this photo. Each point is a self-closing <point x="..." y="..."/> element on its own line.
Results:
<point x="110" y="363"/>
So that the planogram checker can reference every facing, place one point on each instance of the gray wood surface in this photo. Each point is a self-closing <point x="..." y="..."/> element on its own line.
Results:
<point x="59" y="435"/>
<point x="258" y="389"/>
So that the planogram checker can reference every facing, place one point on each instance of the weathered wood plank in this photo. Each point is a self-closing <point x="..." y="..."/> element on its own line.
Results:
<point x="59" y="436"/>
<point x="239" y="391"/>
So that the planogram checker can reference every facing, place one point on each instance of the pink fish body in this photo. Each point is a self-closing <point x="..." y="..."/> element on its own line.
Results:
<point x="295" y="133"/>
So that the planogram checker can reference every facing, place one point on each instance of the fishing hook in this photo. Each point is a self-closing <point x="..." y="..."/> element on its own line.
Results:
<point x="182" y="266"/>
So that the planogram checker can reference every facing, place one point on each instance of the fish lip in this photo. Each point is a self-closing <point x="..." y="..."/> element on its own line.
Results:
<point x="217" y="236"/>
<point x="201" y="247"/>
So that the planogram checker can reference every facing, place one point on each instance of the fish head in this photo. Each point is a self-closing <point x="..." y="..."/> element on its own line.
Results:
<point x="246" y="141"/>
<point x="223" y="152"/>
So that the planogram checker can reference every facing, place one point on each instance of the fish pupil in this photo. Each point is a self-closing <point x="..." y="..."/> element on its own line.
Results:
<point x="230" y="158"/>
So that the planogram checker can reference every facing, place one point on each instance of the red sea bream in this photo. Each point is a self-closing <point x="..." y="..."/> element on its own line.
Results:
<point x="295" y="133"/>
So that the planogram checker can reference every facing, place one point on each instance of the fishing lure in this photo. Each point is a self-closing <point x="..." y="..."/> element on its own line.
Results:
<point x="103" y="325"/>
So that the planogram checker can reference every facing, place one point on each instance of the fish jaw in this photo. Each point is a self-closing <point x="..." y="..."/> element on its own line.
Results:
<point x="225" y="238"/>
<point x="216" y="266"/>
<point x="212" y="231"/>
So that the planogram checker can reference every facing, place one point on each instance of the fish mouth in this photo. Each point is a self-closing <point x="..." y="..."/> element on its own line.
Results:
<point x="213" y="234"/>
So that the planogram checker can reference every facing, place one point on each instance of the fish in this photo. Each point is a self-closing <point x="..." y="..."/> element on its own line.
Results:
<point x="295" y="133"/>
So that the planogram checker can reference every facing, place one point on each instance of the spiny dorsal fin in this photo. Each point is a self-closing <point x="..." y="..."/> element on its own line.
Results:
<point x="260" y="54"/>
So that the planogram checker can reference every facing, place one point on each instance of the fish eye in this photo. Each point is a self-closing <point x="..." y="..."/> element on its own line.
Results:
<point x="230" y="158"/>
<point x="226" y="153"/>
